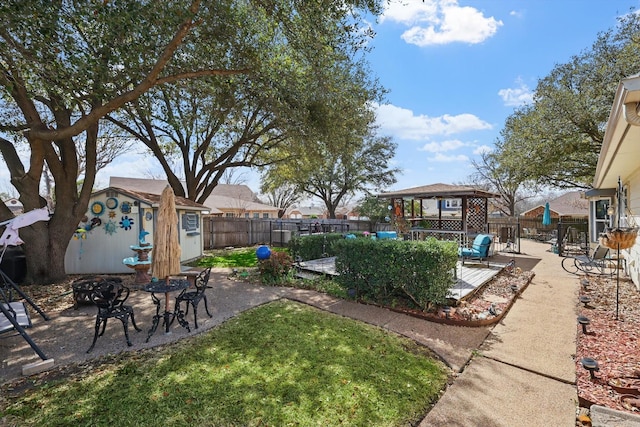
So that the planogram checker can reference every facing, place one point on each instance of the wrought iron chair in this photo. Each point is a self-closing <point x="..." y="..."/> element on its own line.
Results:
<point x="193" y="297"/>
<point x="598" y="262"/>
<point x="110" y="296"/>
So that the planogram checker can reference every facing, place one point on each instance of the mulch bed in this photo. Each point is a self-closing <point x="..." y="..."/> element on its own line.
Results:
<point x="614" y="342"/>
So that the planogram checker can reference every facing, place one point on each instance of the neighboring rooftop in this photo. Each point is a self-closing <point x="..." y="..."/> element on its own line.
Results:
<point x="571" y="204"/>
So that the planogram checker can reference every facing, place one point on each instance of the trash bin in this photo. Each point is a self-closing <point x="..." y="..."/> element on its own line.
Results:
<point x="14" y="264"/>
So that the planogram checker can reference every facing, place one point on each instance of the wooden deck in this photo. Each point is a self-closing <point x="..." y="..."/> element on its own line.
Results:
<point x="471" y="276"/>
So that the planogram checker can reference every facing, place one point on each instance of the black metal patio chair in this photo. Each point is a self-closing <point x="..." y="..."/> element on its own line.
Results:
<point x="110" y="296"/>
<point x="193" y="297"/>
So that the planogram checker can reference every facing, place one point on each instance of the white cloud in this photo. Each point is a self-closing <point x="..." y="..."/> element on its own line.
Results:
<point x="402" y="123"/>
<point x="517" y="96"/>
<point x="482" y="149"/>
<point x="438" y="147"/>
<point x="441" y="158"/>
<point x="436" y="22"/>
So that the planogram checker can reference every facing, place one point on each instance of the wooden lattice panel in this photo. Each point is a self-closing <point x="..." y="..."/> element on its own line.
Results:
<point x="451" y="224"/>
<point x="476" y="213"/>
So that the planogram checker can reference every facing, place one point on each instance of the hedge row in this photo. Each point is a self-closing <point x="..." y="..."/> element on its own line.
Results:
<point x="315" y="246"/>
<point x="378" y="270"/>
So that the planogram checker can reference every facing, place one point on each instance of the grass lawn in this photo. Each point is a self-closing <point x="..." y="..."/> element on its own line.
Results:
<point x="231" y="258"/>
<point x="280" y="364"/>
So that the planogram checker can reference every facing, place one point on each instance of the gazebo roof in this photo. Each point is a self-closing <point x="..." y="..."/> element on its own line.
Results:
<point x="437" y="191"/>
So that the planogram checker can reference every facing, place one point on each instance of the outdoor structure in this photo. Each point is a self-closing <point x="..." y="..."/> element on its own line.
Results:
<point x="116" y="221"/>
<point x="569" y="206"/>
<point x="227" y="200"/>
<point x="618" y="164"/>
<point x="462" y="211"/>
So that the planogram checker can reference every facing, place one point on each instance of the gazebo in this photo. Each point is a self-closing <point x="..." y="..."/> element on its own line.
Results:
<point x="444" y="211"/>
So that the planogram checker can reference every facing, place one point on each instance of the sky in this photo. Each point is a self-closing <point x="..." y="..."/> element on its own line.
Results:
<point x="454" y="71"/>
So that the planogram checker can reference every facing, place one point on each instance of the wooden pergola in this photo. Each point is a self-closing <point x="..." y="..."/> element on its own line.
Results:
<point x="473" y="218"/>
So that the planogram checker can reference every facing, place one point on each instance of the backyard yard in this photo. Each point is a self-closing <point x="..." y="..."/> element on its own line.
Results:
<point x="279" y="364"/>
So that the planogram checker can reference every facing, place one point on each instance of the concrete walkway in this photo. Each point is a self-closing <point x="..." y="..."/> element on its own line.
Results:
<point x="525" y="372"/>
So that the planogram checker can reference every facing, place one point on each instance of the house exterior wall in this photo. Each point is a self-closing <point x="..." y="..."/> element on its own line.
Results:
<point x="632" y="256"/>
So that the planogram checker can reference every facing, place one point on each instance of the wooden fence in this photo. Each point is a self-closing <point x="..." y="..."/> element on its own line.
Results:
<point x="221" y="232"/>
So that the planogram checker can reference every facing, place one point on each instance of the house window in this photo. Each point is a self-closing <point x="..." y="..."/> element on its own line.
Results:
<point x="246" y="214"/>
<point x="190" y="221"/>
<point x="265" y="215"/>
<point x="452" y="203"/>
<point x="229" y="215"/>
<point x="256" y="215"/>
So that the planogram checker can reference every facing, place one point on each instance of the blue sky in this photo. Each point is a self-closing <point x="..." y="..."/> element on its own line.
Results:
<point x="455" y="70"/>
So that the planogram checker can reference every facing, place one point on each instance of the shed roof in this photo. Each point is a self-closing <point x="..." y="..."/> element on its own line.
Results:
<point x="438" y="191"/>
<point x="153" y="200"/>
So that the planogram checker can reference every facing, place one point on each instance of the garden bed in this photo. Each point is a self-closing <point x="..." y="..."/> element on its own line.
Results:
<point x="487" y="306"/>
<point x="613" y="343"/>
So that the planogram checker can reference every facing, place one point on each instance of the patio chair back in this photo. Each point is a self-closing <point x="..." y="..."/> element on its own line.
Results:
<point x="110" y="296"/>
<point x="600" y="252"/>
<point x="481" y="245"/>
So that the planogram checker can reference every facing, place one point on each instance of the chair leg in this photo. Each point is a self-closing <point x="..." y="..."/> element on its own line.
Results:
<point x="125" y="326"/>
<point x="133" y="322"/>
<point x="104" y="325"/>
<point x="95" y="335"/>
<point x="195" y="313"/>
<point x="206" y="306"/>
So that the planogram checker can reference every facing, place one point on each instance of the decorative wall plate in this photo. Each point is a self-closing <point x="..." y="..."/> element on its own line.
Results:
<point x="110" y="227"/>
<point x="97" y="208"/>
<point x="148" y="216"/>
<point x="126" y="222"/>
<point x="125" y="207"/>
<point x="112" y="203"/>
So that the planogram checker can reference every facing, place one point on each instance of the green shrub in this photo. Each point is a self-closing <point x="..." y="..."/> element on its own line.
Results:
<point x="315" y="246"/>
<point x="275" y="268"/>
<point x="421" y="271"/>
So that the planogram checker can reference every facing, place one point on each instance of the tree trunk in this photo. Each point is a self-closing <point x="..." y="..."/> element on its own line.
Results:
<point x="45" y="247"/>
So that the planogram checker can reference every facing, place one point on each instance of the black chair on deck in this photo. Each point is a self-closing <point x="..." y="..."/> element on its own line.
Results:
<point x="193" y="297"/>
<point x="109" y="296"/>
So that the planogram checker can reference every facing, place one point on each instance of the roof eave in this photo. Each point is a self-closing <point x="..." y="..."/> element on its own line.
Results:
<point x="617" y="129"/>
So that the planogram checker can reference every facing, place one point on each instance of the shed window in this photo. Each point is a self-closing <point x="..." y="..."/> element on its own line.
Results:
<point x="190" y="221"/>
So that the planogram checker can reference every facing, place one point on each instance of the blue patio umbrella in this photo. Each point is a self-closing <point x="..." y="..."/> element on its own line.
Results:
<point x="546" y="216"/>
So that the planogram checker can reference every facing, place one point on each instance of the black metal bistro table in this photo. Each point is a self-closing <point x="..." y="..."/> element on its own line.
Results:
<point x="164" y="287"/>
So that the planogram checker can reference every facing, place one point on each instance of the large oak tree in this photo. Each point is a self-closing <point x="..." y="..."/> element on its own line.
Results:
<point x="556" y="140"/>
<point x="65" y="65"/>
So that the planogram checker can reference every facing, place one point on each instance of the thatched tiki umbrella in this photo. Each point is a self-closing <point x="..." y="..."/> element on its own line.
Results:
<point x="165" y="258"/>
